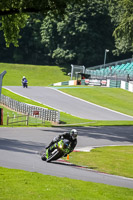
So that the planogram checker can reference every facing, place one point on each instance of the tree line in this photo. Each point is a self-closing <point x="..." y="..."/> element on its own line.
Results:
<point x="65" y="32"/>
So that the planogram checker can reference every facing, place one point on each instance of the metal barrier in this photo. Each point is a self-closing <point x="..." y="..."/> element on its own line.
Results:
<point x="46" y="114"/>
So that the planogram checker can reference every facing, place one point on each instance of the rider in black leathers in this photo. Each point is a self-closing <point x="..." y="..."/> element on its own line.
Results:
<point x="71" y="136"/>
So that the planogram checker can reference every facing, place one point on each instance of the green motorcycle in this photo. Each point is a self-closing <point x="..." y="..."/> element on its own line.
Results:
<point x="57" y="150"/>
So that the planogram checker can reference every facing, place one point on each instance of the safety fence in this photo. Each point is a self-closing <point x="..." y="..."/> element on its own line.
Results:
<point x="42" y="113"/>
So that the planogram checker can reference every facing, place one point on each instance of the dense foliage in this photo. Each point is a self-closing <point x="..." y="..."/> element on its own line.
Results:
<point x="14" y="14"/>
<point x="65" y="32"/>
<point x="81" y="36"/>
<point x="121" y="12"/>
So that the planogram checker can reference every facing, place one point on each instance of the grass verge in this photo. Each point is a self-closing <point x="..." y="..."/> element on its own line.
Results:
<point x="117" y="160"/>
<point x="67" y="119"/>
<point x="33" y="122"/>
<point x="113" y="98"/>
<point x="64" y="117"/>
<point x="37" y="75"/>
<point x="18" y="184"/>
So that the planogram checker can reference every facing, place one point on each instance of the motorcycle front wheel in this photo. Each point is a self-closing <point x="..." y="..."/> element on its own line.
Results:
<point x="54" y="156"/>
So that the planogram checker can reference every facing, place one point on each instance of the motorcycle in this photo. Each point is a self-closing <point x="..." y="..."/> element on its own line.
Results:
<point x="25" y="84"/>
<point x="60" y="149"/>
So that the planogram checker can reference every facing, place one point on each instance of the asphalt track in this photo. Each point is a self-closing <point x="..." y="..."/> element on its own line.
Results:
<point x="63" y="102"/>
<point x="20" y="148"/>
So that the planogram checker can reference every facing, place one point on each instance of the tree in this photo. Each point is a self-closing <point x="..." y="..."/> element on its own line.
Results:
<point x="30" y="50"/>
<point x="81" y="36"/>
<point x="121" y="12"/>
<point x="14" y="14"/>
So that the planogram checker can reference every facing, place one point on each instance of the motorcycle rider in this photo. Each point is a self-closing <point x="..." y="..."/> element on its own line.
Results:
<point x="71" y="136"/>
<point x="24" y="81"/>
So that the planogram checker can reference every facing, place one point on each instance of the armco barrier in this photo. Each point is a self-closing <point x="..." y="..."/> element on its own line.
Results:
<point x="46" y="114"/>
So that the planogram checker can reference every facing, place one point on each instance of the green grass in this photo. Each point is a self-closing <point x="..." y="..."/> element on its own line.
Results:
<point x="114" y="98"/>
<point x="21" y="98"/>
<point x="21" y="185"/>
<point x="37" y="75"/>
<point x="67" y="119"/>
<point x="116" y="160"/>
<point x="33" y="122"/>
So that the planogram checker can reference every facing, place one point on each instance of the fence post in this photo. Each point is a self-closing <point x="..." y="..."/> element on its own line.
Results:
<point x="1" y="116"/>
<point x="27" y="119"/>
<point x="7" y="119"/>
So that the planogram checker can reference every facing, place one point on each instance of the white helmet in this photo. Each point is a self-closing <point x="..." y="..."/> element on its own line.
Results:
<point x="23" y="76"/>
<point x="74" y="133"/>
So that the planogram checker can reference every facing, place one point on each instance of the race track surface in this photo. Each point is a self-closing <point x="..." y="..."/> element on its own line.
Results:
<point x="69" y="104"/>
<point x="20" y="148"/>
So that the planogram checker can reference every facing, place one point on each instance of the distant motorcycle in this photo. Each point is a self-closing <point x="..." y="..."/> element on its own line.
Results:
<point x="25" y="83"/>
<point x="60" y="149"/>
